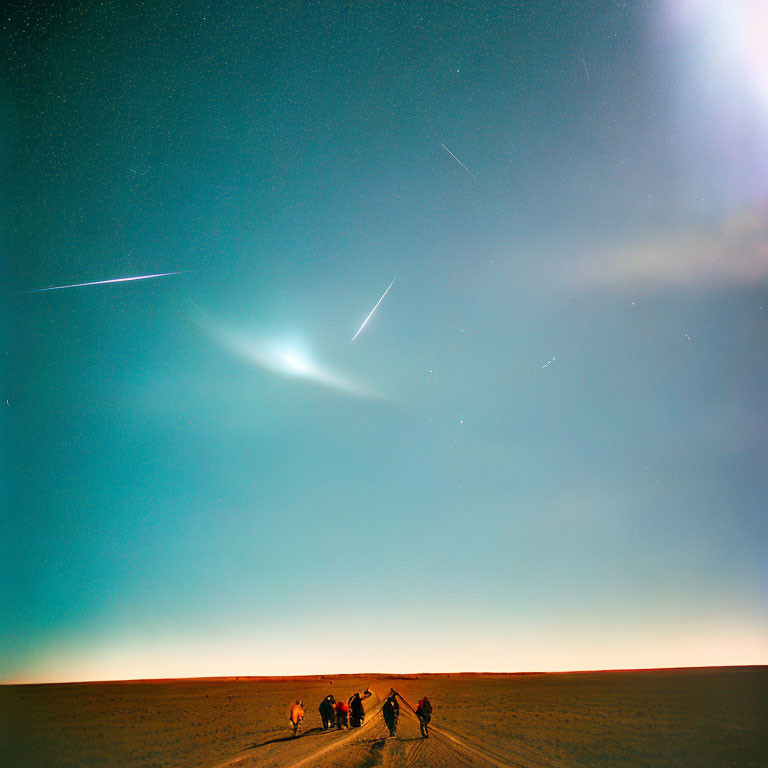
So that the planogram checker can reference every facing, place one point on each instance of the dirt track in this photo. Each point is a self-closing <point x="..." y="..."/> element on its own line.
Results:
<point x="371" y="746"/>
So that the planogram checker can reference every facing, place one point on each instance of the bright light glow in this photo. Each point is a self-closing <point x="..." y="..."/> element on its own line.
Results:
<point x="730" y="42"/>
<point x="718" y="53"/>
<point x="285" y="357"/>
<point x="295" y="364"/>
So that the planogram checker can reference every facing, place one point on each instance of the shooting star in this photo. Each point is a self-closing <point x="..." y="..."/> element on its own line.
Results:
<point x="546" y="364"/>
<point x="589" y="82"/>
<point x="687" y="337"/>
<point x="374" y="309"/>
<point x="104" y="282"/>
<point x="458" y="161"/>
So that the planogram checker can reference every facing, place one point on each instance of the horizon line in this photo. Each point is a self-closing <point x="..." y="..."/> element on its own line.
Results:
<point x="401" y="675"/>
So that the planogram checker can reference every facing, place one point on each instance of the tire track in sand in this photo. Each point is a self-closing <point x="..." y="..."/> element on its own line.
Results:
<point x="409" y="750"/>
<point x="482" y="753"/>
<point x="351" y="734"/>
<point x="414" y="754"/>
<point x="485" y="754"/>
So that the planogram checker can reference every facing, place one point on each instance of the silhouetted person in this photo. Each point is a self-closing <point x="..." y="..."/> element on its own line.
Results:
<point x="297" y="715"/>
<point x="356" y="711"/>
<point x="327" y="712"/>
<point x="342" y="714"/>
<point x="391" y="711"/>
<point x="424" y="713"/>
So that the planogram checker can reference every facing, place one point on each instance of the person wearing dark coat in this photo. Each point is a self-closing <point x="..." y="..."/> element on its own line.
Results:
<point x="424" y="713"/>
<point x="356" y="710"/>
<point x="327" y="712"/>
<point x="391" y="711"/>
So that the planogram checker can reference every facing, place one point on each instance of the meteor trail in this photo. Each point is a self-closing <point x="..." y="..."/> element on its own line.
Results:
<point x="458" y="161"/>
<point x="546" y="364"/>
<point x="104" y="282"/>
<point x="589" y="82"/>
<point x="374" y="309"/>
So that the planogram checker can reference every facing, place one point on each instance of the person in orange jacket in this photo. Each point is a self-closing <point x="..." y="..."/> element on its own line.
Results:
<point x="297" y="716"/>
<point x="424" y="713"/>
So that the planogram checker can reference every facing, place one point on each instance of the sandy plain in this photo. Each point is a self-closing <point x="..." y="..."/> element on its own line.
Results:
<point x="688" y="718"/>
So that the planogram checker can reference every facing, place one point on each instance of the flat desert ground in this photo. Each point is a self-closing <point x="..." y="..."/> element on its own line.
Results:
<point x="690" y="718"/>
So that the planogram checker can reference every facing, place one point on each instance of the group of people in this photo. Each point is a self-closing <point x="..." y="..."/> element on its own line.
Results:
<point x="391" y="713"/>
<point x="343" y="714"/>
<point x="351" y="713"/>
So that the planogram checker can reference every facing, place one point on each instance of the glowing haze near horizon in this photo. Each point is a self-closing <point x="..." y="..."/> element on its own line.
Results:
<point x="547" y="448"/>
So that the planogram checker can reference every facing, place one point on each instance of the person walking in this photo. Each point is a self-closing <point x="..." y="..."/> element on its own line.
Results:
<point x="297" y="716"/>
<point x="327" y="711"/>
<point x="424" y="713"/>
<point x="391" y="711"/>
<point x="342" y="714"/>
<point x="356" y="710"/>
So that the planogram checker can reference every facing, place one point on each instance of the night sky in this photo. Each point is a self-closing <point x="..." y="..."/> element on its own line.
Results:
<point x="548" y="446"/>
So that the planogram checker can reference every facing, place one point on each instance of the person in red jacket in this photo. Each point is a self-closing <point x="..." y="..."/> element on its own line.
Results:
<point x="424" y="713"/>
<point x="342" y="714"/>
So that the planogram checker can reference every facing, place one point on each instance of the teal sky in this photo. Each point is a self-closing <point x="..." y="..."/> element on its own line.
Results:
<point x="546" y="449"/>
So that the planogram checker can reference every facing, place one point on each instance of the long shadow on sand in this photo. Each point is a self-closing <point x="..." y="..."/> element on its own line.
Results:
<point x="311" y="732"/>
<point x="375" y="755"/>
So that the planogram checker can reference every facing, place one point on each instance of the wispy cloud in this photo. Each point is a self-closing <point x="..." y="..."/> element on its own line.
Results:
<point x="733" y="252"/>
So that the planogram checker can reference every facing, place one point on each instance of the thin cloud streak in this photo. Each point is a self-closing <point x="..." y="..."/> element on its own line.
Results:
<point x="735" y="253"/>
